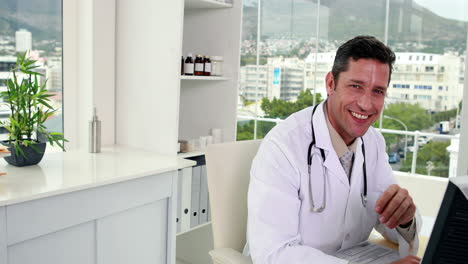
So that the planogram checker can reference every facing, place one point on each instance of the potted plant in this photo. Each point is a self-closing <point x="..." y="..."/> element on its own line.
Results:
<point x="29" y="103"/>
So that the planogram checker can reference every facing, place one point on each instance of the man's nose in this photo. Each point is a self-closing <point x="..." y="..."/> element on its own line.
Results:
<point x="365" y="102"/>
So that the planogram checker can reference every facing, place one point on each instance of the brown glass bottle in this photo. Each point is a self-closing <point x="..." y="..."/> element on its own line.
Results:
<point x="188" y="65"/>
<point x="199" y="65"/>
<point x="207" y="66"/>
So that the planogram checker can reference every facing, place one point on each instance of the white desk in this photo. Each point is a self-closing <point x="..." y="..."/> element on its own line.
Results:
<point x="426" y="229"/>
<point x="75" y="207"/>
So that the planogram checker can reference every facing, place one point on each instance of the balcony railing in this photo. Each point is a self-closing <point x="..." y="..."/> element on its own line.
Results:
<point x="415" y="134"/>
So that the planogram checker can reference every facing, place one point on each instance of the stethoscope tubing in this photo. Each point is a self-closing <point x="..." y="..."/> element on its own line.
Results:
<point x="322" y="154"/>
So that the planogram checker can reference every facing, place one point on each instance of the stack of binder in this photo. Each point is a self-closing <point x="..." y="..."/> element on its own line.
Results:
<point x="192" y="198"/>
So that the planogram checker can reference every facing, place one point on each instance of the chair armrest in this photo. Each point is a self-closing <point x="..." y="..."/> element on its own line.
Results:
<point x="228" y="256"/>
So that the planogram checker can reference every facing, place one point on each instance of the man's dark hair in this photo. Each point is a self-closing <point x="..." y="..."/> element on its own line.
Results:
<point x="362" y="47"/>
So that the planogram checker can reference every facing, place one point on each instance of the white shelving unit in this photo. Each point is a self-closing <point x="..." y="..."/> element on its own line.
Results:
<point x="203" y="78"/>
<point x="209" y="101"/>
<point x="195" y="228"/>
<point x="210" y="28"/>
<point x="205" y="4"/>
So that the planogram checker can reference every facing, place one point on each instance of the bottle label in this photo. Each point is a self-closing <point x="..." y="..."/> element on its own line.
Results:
<point x="199" y="67"/>
<point x="188" y="69"/>
<point x="207" y="67"/>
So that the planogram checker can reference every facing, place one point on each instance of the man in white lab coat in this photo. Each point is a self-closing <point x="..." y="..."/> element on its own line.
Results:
<point x="308" y="201"/>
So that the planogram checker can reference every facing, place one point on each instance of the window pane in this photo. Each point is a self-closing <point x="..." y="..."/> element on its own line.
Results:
<point x="280" y="82"/>
<point x="425" y="94"/>
<point x="36" y="26"/>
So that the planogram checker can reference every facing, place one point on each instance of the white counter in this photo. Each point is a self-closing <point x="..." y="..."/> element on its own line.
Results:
<point x="64" y="172"/>
<point x="82" y="208"/>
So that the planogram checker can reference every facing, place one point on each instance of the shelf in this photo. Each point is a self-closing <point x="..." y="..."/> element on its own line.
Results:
<point x="203" y="78"/>
<point x="196" y="4"/>
<point x="195" y="228"/>
<point x="190" y="154"/>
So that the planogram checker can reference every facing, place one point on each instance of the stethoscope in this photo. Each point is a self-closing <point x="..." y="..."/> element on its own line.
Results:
<point x="322" y="154"/>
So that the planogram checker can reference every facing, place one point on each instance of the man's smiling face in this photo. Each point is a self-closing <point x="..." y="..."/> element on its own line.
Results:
<point x="356" y="99"/>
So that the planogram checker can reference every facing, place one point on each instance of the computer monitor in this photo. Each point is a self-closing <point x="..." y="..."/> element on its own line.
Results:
<point x="449" y="238"/>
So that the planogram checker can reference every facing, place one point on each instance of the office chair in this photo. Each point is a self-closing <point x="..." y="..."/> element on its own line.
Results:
<point x="228" y="167"/>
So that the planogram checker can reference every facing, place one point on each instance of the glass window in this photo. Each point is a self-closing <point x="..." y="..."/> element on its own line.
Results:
<point x="411" y="31"/>
<point x="34" y="26"/>
<point x="429" y="43"/>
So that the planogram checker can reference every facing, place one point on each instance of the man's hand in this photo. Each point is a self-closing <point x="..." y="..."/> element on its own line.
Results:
<point x="408" y="260"/>
<point x="395" y="207"/>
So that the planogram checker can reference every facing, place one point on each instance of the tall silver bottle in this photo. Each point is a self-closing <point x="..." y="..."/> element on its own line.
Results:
<point x="95" y="134"/>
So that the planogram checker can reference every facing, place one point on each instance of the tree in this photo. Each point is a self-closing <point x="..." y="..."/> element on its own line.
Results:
<point x="277" y="108"/>
<point x="446" y="115"/>
<point x="434" y="151"/>
<point x="245" y="130"/>
<point x="412" y="115"/>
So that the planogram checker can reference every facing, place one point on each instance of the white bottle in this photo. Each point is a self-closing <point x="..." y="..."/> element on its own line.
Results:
<point x="188" y="65"/>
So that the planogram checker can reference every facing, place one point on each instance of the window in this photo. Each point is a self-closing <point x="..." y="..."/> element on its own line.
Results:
<point x="425" y="48"/>
<point x="34" y="26"/>
<point x="429" y="68"/>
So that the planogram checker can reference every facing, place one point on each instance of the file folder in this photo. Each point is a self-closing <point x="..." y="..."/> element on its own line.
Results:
<point x="203" y="196"/>
<point x="209" y="209"/>
<point x="195" y="199"/>
<point x="186" y="199"/>
<point x="179" y="201"/>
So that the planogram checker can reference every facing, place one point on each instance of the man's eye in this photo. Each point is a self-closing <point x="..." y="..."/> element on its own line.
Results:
<point x="355" y="85"/>
<point x="379" y="92"/>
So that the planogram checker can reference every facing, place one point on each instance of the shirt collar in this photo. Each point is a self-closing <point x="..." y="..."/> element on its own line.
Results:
<point x="338" y="143"/>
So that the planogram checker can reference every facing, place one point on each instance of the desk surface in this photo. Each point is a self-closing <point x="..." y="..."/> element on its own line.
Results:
<point x="383" y="242"/>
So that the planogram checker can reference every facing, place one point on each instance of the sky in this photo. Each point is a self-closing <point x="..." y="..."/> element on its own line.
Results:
<point x="454" y="9"/>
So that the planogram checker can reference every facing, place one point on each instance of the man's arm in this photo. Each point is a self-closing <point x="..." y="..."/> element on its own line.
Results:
<point x="395" y="208"/>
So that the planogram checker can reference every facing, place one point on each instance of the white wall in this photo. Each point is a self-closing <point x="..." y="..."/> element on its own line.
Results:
<point x="88" y="62"/>
<point x="148" y="50"/>
<point x="426" y="191"/>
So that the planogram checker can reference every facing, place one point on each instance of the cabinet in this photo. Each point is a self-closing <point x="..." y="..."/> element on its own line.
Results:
<point x="211" y="28"/>
<point x="124" y="222"/>
<point x="150" y="40"/>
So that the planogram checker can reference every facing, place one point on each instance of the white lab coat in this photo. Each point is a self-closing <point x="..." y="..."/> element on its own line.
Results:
<point x="281" y="228"/>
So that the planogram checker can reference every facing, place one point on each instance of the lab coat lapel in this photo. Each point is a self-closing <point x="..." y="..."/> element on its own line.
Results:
<point x="322" y="136"/>
<point x="357" y="172"/>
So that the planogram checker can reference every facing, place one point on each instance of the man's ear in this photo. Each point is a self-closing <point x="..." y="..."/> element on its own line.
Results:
<point x="330" y="83"/>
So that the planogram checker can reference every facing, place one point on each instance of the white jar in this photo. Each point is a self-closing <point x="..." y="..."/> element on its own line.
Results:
<point x="216" y="65"/>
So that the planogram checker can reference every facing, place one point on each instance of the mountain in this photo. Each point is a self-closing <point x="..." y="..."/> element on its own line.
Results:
<point x="411" y="26"/>
<point x="41" y="17"/>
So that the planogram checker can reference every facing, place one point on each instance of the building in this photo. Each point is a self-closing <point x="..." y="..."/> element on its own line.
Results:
<point x="282" y="78"/>
<point x="54" y="75"/>
<point x="432" y="80"/>
<point x="435" y="81"/>
<point x="23" y="40"/>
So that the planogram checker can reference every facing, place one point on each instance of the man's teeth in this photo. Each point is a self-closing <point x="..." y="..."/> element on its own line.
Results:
<point x="359" y="116"/>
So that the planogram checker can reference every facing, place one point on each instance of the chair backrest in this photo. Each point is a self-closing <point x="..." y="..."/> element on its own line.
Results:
<point x="228" y="167"/>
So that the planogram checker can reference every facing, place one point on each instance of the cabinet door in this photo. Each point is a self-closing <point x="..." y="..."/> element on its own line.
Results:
<point x="74" y="245"/>
<point x="138" y="235"/>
